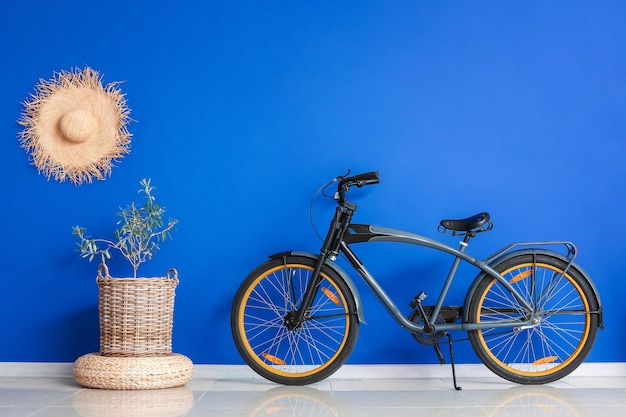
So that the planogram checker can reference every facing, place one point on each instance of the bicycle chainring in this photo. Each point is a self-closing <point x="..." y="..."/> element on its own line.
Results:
<point x="423" y="337"/>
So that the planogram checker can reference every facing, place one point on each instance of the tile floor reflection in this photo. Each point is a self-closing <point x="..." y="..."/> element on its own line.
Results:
<point x="337" y="397"/>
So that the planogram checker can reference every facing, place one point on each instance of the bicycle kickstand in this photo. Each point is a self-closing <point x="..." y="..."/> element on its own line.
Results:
<point x="443" y="361"/>
<point x="456" y="387"/>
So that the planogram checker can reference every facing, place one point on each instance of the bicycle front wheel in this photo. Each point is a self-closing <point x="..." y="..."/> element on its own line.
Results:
<point x="563" y="334"/>
<point x="308" y="353"/>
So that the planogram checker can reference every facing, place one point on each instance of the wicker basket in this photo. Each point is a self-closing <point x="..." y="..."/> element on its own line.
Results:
<point x="136" y="314"/>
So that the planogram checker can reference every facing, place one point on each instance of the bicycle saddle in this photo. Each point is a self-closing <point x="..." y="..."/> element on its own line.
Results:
<point x="477" y="221"/>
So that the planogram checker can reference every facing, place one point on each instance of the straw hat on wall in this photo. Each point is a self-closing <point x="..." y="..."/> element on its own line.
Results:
<point x="74" y="128"/>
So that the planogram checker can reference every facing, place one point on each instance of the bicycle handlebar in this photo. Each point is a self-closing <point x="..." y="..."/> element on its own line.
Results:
<point x="360" y="180"/>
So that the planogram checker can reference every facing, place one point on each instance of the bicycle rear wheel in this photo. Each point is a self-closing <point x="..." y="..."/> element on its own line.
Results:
<point x="308" y="353"/>
<point x="563" y="335"/>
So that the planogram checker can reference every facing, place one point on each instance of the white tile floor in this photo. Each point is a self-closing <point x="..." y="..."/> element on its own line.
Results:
<point x="345" y="394"/>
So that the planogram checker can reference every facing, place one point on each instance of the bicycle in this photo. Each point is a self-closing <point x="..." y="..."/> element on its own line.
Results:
<point x="531" y="313"/>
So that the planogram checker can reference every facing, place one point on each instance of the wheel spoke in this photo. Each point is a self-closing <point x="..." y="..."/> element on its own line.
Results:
<point x="309" y="351"/>
<point x="560" y="333"/>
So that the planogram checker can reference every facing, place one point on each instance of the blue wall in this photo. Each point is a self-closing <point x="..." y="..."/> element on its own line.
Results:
<point x="242" y="109"/>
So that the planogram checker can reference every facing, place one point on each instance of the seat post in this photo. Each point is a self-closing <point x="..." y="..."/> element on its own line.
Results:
<point x="465" y="242"/>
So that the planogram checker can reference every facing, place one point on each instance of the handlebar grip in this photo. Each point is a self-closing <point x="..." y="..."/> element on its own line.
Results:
<point x="359" y="180"/>
<point x="366" y="178"/>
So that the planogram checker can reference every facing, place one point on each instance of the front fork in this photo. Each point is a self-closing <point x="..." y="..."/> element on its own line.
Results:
<point x="330" y="250"/>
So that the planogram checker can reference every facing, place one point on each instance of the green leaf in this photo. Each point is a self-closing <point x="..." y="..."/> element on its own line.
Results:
<point x="139" y="229"/>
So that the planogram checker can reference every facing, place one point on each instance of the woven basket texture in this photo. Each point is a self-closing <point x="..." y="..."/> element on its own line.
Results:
<point x="132" y="373"/>
<point x="136" y="315"/>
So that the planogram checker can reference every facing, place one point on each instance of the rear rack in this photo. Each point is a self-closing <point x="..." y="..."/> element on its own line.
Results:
<point x="572" y="250"/>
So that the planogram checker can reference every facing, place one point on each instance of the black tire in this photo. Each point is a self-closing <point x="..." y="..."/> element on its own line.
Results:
<point x="309" y="353"/>
<point x="564" y="334"/>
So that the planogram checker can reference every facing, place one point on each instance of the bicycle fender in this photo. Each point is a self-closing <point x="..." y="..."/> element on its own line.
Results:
<point x="336" y="268"/>
<point x="512" y="254"/>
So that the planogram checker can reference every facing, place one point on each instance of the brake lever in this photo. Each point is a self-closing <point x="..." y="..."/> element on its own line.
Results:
<point x="342" y="177"/>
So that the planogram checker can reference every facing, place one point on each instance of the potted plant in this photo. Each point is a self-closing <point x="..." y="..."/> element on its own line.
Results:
<point x="135" y="314"/>
<point x="125" y="304"/>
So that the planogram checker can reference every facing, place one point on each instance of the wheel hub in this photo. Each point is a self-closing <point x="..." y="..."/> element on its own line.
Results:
<point x="290" y="321"/>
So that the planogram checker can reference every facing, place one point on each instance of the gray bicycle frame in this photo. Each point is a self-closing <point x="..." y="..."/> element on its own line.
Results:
<point x="369" y="233"/>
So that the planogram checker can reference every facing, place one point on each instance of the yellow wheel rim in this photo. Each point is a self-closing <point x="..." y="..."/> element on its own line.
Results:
<point x="261" y="358"/>
<point x="548" y="359"/>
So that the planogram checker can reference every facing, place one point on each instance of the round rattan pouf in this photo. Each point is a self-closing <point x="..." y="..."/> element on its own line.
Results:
<point x="134" y="372"/>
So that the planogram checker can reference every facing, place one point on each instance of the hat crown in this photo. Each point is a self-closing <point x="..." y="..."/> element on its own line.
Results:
<point x="77" y="126"/>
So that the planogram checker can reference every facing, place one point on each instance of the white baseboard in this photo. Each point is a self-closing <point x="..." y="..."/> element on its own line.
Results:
<point x="49" y="369"/>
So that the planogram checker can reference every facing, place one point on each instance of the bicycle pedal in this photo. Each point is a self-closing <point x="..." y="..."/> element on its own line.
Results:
<point x="417" y="300"/>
